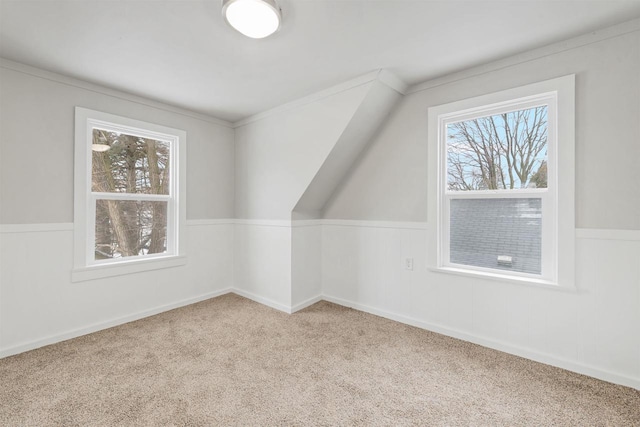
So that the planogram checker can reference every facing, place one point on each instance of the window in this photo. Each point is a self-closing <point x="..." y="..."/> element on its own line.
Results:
<point x="502" y="183"/>
<point x="129" y="195"/>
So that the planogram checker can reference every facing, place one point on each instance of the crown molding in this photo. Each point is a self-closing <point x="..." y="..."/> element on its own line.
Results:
<point x="317" y="96"/>
<point x="530" y="55"/>
<point x="103" y="90"/>
<point x="383" y="76"/>
<point x="394" y="82"/>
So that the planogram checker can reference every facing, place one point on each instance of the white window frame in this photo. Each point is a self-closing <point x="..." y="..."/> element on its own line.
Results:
<point x="86" y="267"/>
<point x="558" y="212"/>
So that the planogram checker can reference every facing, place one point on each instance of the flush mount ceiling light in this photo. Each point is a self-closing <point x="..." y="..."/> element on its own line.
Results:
<point x="253" y="18"/>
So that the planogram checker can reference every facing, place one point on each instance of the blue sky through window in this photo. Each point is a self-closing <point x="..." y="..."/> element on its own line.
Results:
<point x="497" y="152"/>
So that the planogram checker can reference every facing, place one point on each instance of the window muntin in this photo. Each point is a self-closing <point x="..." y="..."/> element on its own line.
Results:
<point x="131" y="193"/>
<point x="557" y="204"/>
<point x="493" y="159"/>
<point x="134" y="170"/>
<point x="131" y="204"/>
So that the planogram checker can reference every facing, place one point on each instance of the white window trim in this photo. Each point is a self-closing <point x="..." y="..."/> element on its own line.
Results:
<point x="559" y="271"/>
<point x="85" y="266"/>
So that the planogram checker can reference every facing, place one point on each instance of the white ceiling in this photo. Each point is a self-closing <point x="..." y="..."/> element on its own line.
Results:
<point x="182" y="53"/>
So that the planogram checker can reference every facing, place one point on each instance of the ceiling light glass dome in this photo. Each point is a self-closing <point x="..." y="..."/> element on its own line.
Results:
<point x="253" y="18"/>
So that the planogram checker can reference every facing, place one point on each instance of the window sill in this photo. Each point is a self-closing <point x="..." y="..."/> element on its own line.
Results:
<point x="125" y="267"/>
<point x="537" y="283"/>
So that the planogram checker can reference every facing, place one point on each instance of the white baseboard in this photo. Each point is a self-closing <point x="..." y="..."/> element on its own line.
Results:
<point x="276" y="305"/>
<point x="494" y="344"/>
<point x="262" y="300"/>
<point x="306" y="303"/>
<point x="95" y="327"/>
<point x="465" y="336"/>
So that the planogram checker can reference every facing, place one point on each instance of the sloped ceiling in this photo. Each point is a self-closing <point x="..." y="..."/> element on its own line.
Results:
<point x="278" y="155"/>
<point x="181" y="52"/>
<point x="370" y="115"/>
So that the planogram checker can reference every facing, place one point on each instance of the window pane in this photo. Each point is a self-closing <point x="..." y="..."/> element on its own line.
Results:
<point x="124" y="163"/>
<point x="129" y="228"/>
<point x="504" y="151"/>
<point x="504" y="234"/>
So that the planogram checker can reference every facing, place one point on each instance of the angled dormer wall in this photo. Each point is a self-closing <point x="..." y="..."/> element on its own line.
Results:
<point x="278" y="152"/>
<point x="361" y="128"/>
<point x="288" y="161"/>
<point x="306" y="236"/>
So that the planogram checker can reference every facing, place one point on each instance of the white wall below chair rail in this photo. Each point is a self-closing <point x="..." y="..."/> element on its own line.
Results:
<point x="39" y="304"/>
<point x="263" y="262"/>
<point x="593" y="331"/>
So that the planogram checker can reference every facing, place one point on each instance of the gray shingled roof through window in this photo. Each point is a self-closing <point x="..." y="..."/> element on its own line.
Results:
<point x="483" y="229"/>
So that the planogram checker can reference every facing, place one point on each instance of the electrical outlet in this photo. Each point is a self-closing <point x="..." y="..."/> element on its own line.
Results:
<point x="408" y="263"/>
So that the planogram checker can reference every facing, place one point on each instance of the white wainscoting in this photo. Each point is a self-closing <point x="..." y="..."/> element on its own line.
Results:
<point x="594" y="330"/>
<point x="263" y="262"/>
<point x="278" y="262"/>
<point x="306" y="265"/>
<point x="39" y="305"/>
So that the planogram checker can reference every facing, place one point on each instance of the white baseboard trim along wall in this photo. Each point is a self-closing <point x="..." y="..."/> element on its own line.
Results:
<point x="275" y="305"/>
<point x="20" y="348"/>
<point x="262" y="300"/>
<point x="493" y="344"/>
<point x="40" y="305"/>
<point x="307" y="303"/>
<point x="593" y="331"/>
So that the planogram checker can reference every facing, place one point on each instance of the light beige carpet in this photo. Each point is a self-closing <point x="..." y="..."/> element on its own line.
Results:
<point x="230" y="361"/>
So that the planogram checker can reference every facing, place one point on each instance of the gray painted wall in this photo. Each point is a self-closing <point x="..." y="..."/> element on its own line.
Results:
<point x="390" y="180"/>
<point x="277" y="156"/>
<point x="37" y="140"/>
<point x="369" y="116"/>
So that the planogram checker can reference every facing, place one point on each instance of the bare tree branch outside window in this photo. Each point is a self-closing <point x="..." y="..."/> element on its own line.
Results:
<point x="131" y="165"/>
<point x="499" y="152"/>
<point x="505" y="151"/>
